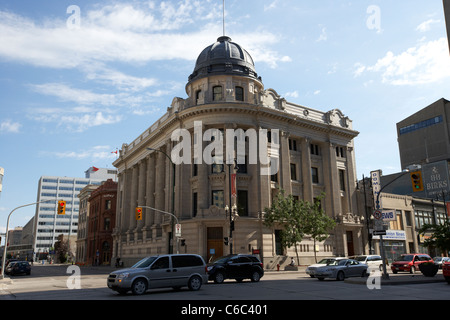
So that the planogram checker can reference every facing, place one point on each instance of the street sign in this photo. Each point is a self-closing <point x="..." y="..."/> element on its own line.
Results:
<point x="379" y="232"/>
<point x="377" y="214"/>
<point x="376" y="185"/>
<point x="178" y="230"/>
<point x="388" y="215"/>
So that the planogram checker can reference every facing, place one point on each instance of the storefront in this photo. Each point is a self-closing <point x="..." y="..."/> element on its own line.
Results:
<point x="394" y="243"/>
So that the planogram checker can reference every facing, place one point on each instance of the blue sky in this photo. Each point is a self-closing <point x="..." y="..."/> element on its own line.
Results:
<point x="75" y="86"/>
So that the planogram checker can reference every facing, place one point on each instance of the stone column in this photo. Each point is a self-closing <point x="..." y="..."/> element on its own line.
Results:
<point x="133" y="197"/>
<point x="308" y="194"/>
<point x="285" y="163"/>
<point x="149" y="216"/>
<point x="142" y="182"/>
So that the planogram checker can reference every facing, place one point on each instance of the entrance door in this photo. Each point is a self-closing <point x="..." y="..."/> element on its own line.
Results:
<point x="215" y="243"/>
<point x="350" y="247"/>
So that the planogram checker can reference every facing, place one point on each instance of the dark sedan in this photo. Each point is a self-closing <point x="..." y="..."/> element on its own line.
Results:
<point x="238" y="267"/>
<point x="18" y="267"/>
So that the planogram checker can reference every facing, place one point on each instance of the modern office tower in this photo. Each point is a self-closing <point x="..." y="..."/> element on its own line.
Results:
<point x="48" y="224"/>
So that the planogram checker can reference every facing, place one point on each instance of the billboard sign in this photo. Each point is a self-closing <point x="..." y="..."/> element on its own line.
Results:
<point x="435" y="178"/>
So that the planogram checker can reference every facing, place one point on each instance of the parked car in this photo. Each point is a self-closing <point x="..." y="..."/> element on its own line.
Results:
<point x="18" y="267"/>
<point x="409" y="262"/>
<point x="340" y="270"/>
<point x="373" y="261"/>
<point x="238" y="267"/>
<point x="446" y="271"/>
<point x="321" y="263"/>
<point x="162" y="271"/>
<point x="440" y="261"/>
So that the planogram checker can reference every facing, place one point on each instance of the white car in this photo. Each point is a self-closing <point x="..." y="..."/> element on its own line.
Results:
<point x="373" y="261"/>
<point x="321" y="263"/>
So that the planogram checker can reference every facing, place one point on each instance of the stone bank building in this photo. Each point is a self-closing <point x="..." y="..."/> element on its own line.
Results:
<point x="315" y="155"/>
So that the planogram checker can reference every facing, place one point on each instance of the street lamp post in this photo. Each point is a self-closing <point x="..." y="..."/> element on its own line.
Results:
<point x="2" y="275"/>
<point x="173" y="189"/>
<point x="385" y="275"/>
<point x="232" y="209"/>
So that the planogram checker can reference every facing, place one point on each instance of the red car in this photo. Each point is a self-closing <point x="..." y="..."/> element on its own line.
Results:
<point x="446" y="271"/>
<point x="410" y="262"/>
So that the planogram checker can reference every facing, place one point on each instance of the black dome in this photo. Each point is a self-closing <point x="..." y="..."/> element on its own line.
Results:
<point x="224" y="57"/>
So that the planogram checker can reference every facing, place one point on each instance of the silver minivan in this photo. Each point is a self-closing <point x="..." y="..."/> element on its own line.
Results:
<point x="162" y="271"/>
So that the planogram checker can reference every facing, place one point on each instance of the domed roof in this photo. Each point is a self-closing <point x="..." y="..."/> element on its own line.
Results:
<point x="224" y="57"/>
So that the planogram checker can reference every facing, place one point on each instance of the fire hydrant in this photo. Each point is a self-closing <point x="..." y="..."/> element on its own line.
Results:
<point x="278" y="267"/>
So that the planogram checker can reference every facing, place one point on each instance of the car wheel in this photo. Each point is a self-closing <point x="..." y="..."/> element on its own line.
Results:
<point x="139" y="287"/>
<point x="321" y="278"/>
<point x="255" y="276"/>
<point x="413" y="270"/>
<point x="340" y="276"/>
<point x="195" y="283"/>
<point x="219" y="277"/>
<point x="394" y="271"/>
<point x="364" y="274"/>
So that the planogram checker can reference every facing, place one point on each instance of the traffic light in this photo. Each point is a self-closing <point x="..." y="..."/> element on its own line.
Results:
<point x="416" y="180"/>
<point x="61" y="207"/>
<point x="225" y="241"/>
<point x="139" y="213"/>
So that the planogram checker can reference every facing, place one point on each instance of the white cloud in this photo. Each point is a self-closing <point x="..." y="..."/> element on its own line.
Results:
<point x="426" y="26"/>
<point x="428" y="62"/>
<point x="323" y="36"/>
<point x="293" y="94"/>
<point x="94" y="153"/>
<point x="76" y="119"/>
<point x="8" y="126"/>
<point x="129" y="33"/>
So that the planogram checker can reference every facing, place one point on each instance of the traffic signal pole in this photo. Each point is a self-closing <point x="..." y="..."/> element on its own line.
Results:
<point x="173" y="216"/>
<point x="2" y="275"/>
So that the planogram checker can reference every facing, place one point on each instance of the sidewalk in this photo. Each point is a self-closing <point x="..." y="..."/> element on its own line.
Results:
<point x="401" y="278"/>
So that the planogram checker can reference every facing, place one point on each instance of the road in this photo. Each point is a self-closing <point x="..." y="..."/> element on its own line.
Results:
<point x="54" y="283"/>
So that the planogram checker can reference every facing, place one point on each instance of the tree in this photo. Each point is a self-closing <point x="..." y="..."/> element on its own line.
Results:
<point x="440" y="235"/>
<point x="318" y="223"/>
<point x="298" y="218"/>
<point x="61" y="248"/>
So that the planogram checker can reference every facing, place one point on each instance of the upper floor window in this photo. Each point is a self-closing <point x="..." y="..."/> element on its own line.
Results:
<point x="217" y="93"/>
<point x="239" y="92"/>
<point x="197" y="96"/>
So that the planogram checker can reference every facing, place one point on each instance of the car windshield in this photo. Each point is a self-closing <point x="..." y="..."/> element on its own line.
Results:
<point x="407" y="257"/>
<point x="360" y="258"/>
<point x="144" y="263"/>
<point x="328" y="261"/>
<point x="221" y="260"/>
<point x="342" y="262"/>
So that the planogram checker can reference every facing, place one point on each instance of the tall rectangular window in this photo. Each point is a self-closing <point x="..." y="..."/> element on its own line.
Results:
<point x="217" y="93"/>
<point x="239" y="92"/>
<point x="342" y="180"/>
<point x="194" y="204"/>
<point x="314" y="175"/>
<point x="293" y="171"/>
<point x="242" y="203"/>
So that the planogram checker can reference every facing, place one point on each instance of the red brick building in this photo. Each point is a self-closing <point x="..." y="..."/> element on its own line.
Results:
<point x="102" y="218"/>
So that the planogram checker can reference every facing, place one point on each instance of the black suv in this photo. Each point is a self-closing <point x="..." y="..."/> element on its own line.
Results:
<point x="239" y="267"/>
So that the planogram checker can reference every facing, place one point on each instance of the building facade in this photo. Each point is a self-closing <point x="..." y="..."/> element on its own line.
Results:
<point x="48" y="225"/>
<point x="101" y="221"/>
<point x="182" y="165"/>
<point x="424" y="136"/>
<point x="83" y="219"/>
